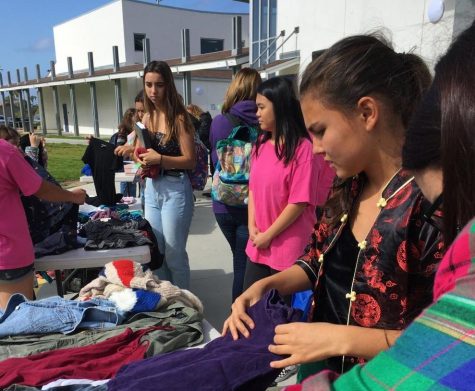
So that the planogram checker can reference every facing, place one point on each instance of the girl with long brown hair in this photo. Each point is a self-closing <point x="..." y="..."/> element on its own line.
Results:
<point x="168" y="196"/>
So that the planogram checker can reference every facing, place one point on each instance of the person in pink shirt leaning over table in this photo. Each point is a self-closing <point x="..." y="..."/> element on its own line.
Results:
<point x="16" y="248"/>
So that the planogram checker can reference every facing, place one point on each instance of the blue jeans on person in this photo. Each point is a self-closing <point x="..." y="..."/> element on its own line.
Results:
<point x="128" y="189"/>
<point x="233" y="225"/>
<point x="169" y="209"/>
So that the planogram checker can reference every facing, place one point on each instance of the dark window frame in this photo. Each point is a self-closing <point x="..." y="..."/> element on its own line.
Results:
<point x="218" y="40"/>
<point x="138" y="41"/>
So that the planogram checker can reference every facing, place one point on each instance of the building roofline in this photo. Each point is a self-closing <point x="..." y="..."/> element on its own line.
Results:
<point x="203" y="64"/>
<point x="153" y="5"/>
<point x="190" y="9"/>
<point x="85" y="13"/>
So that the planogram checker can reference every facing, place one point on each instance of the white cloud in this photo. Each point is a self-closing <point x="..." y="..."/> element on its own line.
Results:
<point x="41" y="44"/>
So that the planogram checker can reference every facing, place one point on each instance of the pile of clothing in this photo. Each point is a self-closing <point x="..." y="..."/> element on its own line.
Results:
<point x="129" y="314"/>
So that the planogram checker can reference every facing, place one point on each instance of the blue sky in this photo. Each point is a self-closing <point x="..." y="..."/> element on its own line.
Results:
<point x="27" y="27"/>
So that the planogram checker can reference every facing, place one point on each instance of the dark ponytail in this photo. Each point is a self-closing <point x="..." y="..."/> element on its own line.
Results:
<point x="359" y="66"/>
<point x="455" y="80"/>
<point x="422" y="147"/>
<point x="364" y="65"/>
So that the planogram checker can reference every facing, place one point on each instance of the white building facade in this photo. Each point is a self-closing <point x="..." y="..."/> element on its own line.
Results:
<point x="125" y="23"/>
<point x="321" y="23"/>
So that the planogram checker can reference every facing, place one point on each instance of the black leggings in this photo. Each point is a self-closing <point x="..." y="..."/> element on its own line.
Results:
<point x="258" y="271"/>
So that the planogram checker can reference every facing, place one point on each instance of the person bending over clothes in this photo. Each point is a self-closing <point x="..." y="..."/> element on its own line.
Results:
<point x="372" y="257"/>
<point x="52" y="225"/>
<point x="16" y="249"/>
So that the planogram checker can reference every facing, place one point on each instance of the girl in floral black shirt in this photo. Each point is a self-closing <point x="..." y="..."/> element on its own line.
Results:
<point x="391" y="276"/>
<point x="372" y="257"/>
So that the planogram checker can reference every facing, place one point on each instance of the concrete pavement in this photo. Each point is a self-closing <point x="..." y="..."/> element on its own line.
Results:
<point x="210" y="262"/>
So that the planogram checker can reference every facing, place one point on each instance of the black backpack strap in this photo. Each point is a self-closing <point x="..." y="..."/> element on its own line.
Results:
<point x="234" y="120"/>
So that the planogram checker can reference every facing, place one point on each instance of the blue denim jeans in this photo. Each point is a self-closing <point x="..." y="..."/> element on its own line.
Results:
<point x="128" y="189"/>
<point x="234" y="228"/>
<point x="169" y="209"/>
<point x="55" y="314"/>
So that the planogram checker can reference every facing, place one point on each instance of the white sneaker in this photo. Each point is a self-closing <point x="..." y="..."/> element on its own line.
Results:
<point x="286" y="373"/>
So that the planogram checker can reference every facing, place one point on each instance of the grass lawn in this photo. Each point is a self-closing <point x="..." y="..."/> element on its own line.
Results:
<point x="67" y="136"/>
<point x="64" y="162"/>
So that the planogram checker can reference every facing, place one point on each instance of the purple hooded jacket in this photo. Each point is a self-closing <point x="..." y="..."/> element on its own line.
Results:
<point x="221" y="129"/>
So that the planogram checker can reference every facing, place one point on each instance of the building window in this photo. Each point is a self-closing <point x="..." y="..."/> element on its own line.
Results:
<point x="264" y="23"/>
<point x="210" y="45"/>
<point x="138" y="42"/>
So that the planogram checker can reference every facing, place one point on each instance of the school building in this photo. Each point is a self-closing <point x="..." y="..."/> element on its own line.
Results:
<point x="101" y="54"/>
<point x="285" y="34"/>
<point x="100" y="57"/>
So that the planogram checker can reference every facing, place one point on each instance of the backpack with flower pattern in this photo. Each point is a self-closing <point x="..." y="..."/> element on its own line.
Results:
<point x="230" y="184"/>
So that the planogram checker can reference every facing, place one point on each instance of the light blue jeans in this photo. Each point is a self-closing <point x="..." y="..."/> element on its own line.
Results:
<point x="56" y="315"/>
<point x="169" y="209"/>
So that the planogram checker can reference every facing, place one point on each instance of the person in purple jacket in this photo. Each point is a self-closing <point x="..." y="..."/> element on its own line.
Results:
<point x="240" y="102"/>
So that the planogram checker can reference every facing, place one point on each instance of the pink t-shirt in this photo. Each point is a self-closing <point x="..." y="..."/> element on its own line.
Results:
<point x="274" y="186"/>
<point x="16" y="247"/>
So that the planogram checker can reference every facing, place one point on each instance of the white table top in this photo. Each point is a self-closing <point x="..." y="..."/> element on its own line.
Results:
<point x="119" y="177"/>
<point x="209" y="333"/>
<point x="80" y="258"/>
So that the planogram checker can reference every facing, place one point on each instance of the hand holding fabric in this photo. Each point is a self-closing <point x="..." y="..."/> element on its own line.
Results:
<point x="146" y="171"/>
<point x="79" y="196"/>
<point x="149" y="157"/>
<point x="306" y="342"/>
<point x="239" y="321"/>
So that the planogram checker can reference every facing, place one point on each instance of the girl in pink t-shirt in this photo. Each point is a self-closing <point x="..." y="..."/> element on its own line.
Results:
<point x="283" y="186"/>
<point x="16" y="247"/>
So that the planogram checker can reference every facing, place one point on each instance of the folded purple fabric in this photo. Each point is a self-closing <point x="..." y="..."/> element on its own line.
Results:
<point x="223" y="364"/>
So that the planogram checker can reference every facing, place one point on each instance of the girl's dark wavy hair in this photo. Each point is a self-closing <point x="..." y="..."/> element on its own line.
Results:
<point x="455" y="80"/>
<point x="289" y="123"/>
<point x="358" y="66"/>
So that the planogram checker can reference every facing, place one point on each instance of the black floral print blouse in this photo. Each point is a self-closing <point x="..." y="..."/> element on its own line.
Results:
<point x="395" y="267"/>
